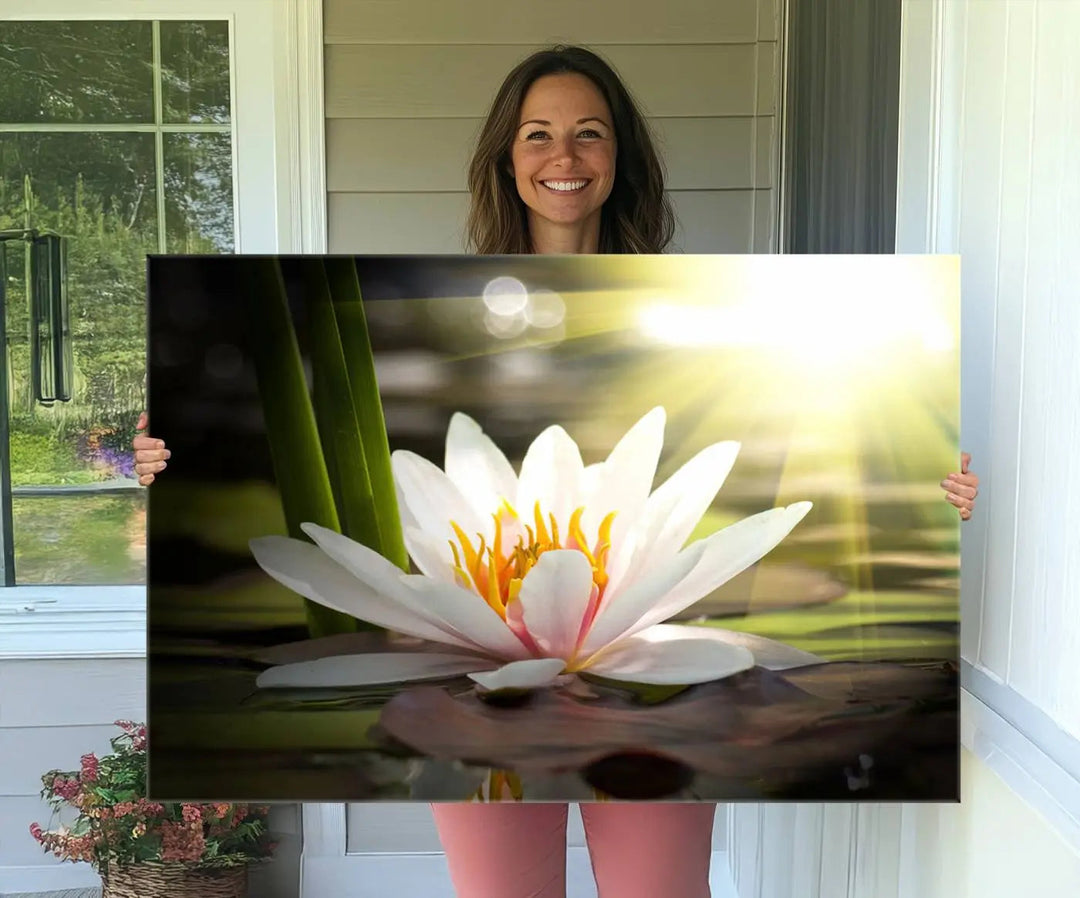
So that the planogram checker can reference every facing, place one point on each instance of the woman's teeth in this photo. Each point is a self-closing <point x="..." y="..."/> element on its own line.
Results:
<point x="564" y="186"/>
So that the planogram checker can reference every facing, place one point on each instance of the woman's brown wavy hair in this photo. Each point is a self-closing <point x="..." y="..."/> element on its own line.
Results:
<point x="637" y="217"/>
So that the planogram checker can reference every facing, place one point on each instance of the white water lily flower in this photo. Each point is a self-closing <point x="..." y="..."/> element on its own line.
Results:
<point x="524" y="578"/>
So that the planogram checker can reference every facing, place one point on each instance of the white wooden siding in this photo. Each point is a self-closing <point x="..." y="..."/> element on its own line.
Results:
<point x="498" y="22"/>
<point x="408" y="84"/>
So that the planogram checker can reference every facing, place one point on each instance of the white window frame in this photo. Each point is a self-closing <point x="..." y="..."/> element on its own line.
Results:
<point x="279" y="194"/>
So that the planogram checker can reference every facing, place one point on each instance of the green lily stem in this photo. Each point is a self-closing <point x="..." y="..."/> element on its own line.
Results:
<point x="335" y="413"/>
<point x="367" y="405"/>
<point x="299" y="466"/>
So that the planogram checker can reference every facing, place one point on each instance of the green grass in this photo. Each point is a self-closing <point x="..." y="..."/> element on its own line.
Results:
<point x="80" y="539"/>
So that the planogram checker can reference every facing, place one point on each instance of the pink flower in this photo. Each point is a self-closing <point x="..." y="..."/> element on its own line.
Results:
<point x="149" y="808"/>
<point x="66" y="788"/>
<point x="89" y="768"/>
<point x="191" y="813"/>
<point x="181" y="842"/>
<point x="35" y="831"/>
<point x="123" y="808"/>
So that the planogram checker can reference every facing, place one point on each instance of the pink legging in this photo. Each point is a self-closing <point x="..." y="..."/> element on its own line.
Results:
<point x="512" y="850"/>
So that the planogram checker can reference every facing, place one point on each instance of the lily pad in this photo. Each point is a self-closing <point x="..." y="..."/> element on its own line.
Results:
<point x="780" y="730"/>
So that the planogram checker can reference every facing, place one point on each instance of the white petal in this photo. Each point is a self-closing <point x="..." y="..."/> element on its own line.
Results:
<point x="365" y="670"/>
<point x="431" y="555"/>
<point x="727" y="552"/>
<point x="768" y="653"/>
<point x="478" y="467"/>
<point x="622" y="482"/>
<point x="455" y="610"/>
<point x="664" y="655"/>
<point x="619" y="612"/>
<point x="309" y="571"/>
<point x="532" y="673"/>
<point x="554" y="596"/>
<point x="673" y="511"/>
<point x="406" y="516"/>
<point x="468" y="614"/>
<point x="551" y="474"/>
<point x="432" y="498"/>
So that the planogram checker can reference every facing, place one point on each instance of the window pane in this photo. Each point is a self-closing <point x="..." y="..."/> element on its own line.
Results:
<point x="195" y="72"/>
<point x="98" y="190"/>
<point x="198" y="193"/>
<point x="99" y="72"/>
<point x="81" y="539"/>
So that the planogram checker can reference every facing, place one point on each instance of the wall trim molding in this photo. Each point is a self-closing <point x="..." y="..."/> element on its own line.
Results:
<point x="1042" y="773"/>
<point x="73" y="622"/>
<point x="301" y="126"/>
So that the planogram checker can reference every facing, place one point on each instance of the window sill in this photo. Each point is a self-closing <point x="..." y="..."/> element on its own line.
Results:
<point x="73" y="622"/>
<point x="1038" y="760"/>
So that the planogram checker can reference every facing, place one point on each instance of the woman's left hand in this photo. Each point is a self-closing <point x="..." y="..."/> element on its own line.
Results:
<point x="962" y="488"/>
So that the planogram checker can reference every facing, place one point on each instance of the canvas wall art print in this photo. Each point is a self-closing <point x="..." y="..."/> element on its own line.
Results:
<point x="578" y="528"/>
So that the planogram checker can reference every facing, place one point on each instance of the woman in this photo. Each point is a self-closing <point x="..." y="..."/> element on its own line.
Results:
<point x="565" y="164"/>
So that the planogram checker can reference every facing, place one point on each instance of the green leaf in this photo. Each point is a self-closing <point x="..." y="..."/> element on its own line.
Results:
<point x="360" y="361"/>
<point x="299" y="466"/>
<point x="335" y="412"/>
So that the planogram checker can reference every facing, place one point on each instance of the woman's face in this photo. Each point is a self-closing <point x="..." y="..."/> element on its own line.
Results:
<point x="563" y="154"/>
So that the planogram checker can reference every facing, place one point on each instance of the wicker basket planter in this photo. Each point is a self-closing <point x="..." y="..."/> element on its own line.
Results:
<point x="172" y="880"/>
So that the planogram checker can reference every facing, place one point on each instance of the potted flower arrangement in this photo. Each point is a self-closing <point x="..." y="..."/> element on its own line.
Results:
<point x="144" y="848"/>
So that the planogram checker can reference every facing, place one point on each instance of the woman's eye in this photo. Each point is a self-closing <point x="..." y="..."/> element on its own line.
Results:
<point x="537" y="135"/>
<point x="589" y="132"/>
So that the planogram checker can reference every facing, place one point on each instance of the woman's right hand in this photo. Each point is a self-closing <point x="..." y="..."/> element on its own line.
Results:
<point x="150" y="454"/>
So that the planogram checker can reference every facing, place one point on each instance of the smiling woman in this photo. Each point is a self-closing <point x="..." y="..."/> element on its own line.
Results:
<point x="565" y="164"/>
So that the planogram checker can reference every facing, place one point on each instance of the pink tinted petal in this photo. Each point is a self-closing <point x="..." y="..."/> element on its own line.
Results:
<point x="433" y="500"/>
<point x="432" y="556"/>
<point x="673" y="511"/>
<point x="670" y="657"/>
<point x="307" y="570"/>
<point x="622" y="611"/>
<point x="533" y="673"/>
<point x="551" y="474"/>
<point x="727" y="552"/>
<point x="464" y="615"/>
<point x="468" y="614"/>
<point x="554" y="596"/>
<point x="623" y="481"/>
<point x="478" y="467"/>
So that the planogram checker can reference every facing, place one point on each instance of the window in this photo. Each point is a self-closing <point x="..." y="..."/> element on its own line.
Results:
<point x="131" y="127"/>
<point x="117" y="136"/>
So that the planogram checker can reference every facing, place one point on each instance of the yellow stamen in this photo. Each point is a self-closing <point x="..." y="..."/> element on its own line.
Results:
<point x="605" y="530"/>
<point x="494" y="598"/>
<point x="542" y="535"/>
<point x="579" y="536"/>
<point x="466" y="546"/>
<point x="496" y="574"/>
